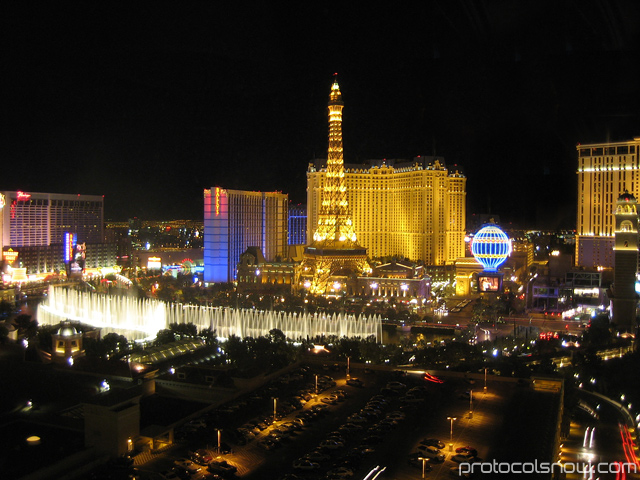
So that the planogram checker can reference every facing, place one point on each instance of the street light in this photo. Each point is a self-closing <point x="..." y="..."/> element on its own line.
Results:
<point x="348" y="368"/>
<point x="424" y="461"/>
<point x="316" y="384"/>
<point x="275" y="403"/>
<point x="451" y="419"/>
<point x="219" y="441"/>
<point x="471" y="404"/>
<point x="485" y="379"/>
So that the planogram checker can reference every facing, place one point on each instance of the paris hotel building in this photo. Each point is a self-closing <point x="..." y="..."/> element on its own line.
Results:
<point x="605" y="171"/>
<point x="410" y="209"/>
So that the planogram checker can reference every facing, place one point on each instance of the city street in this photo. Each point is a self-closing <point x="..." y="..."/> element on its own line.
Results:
<point x="600" y="440"/>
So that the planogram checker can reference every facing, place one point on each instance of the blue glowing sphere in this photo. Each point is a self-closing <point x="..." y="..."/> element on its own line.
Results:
<point x="491" y="247"/>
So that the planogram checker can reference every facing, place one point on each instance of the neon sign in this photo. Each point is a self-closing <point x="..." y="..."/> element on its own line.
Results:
<point x="23" y="197"/>
<point x="491" y="247"/>
<point x="3" y="201"/>
<point x="10" y="256"/>
<point x="70" y="241"/>
<point x="217" y="201"/>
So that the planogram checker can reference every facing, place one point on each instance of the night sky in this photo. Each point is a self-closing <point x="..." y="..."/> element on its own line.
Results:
<point x="148" y="103"/>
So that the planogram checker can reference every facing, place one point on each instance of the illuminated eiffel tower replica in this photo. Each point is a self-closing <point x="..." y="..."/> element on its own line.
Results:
<point x="334" y="250"/>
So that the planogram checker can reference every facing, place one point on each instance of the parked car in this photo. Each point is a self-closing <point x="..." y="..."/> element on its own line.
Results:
<point x="396" y="385"/>
<point x="279" y="433"/>
<point x="355" y="382"/>
<point x="317" y="456"/>
<point x="350" y="428"/>
<point x="431" y="453"/>
<point x="201" y="456"/>
<point x="356" y="418"/>
<point x="268" y="443"/>
<point x="432" y="442"/>
<point x="187" y="465"/>
<point x="372" y="439"/>
<point x="396" y="416"/>
<point x="331" y="444"/>
<point x="467" y="449"/>
<point x="305" y="464"/>
<point x="337" y="436"/>
<point x="463" y="458"/>
<point x="340" y="472"/>
<point x="411" y="399"/>
<point x="222" y="467"/>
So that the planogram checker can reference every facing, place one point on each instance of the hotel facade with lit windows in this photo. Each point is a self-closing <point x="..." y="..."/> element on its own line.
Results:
<point x="605" y="171"/>
<point x="34" y="227"/>
<point x="410" y="209"/>
<point x="235" y="220"/>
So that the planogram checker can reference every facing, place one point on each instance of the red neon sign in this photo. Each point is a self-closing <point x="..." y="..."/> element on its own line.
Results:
<point x="23" y="197"/>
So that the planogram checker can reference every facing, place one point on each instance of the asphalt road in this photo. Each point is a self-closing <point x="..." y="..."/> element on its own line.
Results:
<point x="598" y="440"/>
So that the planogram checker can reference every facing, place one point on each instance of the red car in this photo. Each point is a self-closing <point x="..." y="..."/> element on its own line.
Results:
<point x="470" y="450"/>
<point x="202" y="457"/>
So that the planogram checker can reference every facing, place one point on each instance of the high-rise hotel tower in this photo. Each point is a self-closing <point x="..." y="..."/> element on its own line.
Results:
<point x="410" y="209"/>
<point x="605" y="171"/>
<point x="235" y="220"/>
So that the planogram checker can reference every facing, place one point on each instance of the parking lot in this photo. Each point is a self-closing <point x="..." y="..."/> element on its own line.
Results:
<point x="344" y="430"/>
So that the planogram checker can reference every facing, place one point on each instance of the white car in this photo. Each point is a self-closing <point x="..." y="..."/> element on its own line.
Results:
<point x="305" y="464"/>
<point x="431" y="453"/>
<point x="463" y="458"/>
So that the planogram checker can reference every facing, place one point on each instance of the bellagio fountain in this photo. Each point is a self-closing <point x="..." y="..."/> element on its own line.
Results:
<point x="139" y="319"/>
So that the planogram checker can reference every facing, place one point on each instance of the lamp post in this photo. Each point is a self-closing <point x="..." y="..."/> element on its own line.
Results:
<point x="451" y="419"/>
<point x="470" y="404"/>
<point x="424" y="461"/>
<point x="275" y="404"/>
<point x="316" y="384"/>
<point x="348" y="368"/>
<point x="485" y="379"/>
<point x="219" y="441"/>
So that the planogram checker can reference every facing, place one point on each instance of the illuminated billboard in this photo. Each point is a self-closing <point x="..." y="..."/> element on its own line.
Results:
<point x="10" y="256"/>
<point x="154" y="263"/>
<point x="70" y="241"/>
<point x="74" y="255"/>
<point x="489" y="283"/>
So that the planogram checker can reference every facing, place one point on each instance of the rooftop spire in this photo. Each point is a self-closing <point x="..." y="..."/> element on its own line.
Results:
<point x="335" y="97"/>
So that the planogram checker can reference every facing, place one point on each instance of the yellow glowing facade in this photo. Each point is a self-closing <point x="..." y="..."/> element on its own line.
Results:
<point x="413" y="209"/>
<point x="605" y="171"/>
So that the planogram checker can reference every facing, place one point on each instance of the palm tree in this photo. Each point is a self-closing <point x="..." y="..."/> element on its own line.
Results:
<point x="27" y="327"/>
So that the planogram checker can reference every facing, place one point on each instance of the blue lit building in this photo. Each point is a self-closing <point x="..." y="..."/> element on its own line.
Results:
<point x="235" y="220"/>
<point x="297" y="224"/>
